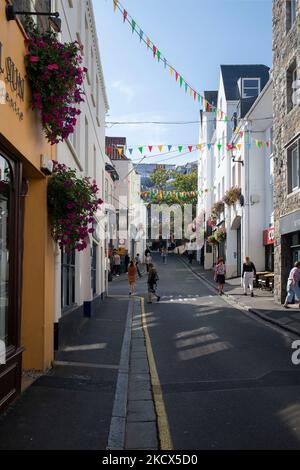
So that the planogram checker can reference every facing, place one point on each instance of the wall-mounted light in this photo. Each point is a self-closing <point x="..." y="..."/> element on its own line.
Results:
<point x="233" y="155"/>
<point x="11" y="14"/>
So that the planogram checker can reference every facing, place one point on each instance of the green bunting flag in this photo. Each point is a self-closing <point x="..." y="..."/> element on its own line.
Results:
<point x="180" y="147"/>
<point x="133" y="24"/>
<point x="158" y="55"/>
<point x="141" y="149"/>
<point x="180" y="81"/>
<point x="219" y="147"/>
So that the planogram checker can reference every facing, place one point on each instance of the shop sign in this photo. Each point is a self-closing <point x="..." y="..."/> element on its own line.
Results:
<point x="12" y="84"/>
<point x="269" y="236"/>
<point x="290" y="223"/>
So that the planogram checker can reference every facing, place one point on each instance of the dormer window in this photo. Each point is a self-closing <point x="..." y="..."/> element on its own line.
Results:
<point x="251" y="87"/>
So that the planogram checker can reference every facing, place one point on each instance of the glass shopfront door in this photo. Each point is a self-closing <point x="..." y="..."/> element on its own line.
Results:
<point x="6" y="203"/>
<point x="10" y="278"/>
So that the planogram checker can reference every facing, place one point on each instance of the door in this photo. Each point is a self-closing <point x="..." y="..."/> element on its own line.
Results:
<point x="10" y="278"/>
<point x="238" y="251"/>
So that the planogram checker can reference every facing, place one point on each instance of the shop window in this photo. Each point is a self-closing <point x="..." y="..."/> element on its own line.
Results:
<point x="67" y="279"/>
<point x="293" y="167"/>
<point x="5" y="229"/>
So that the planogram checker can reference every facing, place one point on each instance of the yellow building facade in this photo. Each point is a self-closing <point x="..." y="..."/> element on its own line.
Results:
<point x="26" y="248"/>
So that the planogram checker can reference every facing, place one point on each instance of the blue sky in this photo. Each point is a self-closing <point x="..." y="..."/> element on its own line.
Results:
<point x="195" y="36"/>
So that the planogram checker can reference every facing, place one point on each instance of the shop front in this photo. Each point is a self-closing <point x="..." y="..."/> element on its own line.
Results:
<point x="290" y="247"/>
<point x="268" y="241"/>
<point x="26" y="249"/>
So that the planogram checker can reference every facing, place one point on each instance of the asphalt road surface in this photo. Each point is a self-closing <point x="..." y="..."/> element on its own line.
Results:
<point x="227" y="378"/>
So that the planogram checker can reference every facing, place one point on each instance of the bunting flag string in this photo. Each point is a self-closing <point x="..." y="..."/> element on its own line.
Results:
<point x="197" y="96"/>
<point x="172" y="148"/>
<point x="174" y="195"/>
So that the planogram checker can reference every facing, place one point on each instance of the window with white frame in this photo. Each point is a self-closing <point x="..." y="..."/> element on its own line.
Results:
<point x="250" y="87"/>
<point x="293" y="166"/>
<point x="86" y="147"/>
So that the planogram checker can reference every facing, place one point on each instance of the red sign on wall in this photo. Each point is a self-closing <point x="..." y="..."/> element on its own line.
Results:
<point x="268" y="236"/>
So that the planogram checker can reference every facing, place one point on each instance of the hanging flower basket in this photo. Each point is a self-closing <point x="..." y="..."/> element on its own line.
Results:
<point x="72" y="203"/>
<point x="212" y="240"/>
<point x="56" y="77"/>
<point x="220" y="235"/>
<point x="211" y="221"/>
<point x="232" y="196"/>
<point x="217" y="209"/>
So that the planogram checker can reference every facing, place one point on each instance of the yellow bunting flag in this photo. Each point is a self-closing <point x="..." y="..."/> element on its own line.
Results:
<point x="160" y="147"/>
<point x="171" y="70"/>
<point x="191" y="92"/>
<point x="239" y="146"/>
<point x="199" y="146"/>
<point x="148" y="42"/>
<point x="120" y="151"/>
<point x="115" y="4"/>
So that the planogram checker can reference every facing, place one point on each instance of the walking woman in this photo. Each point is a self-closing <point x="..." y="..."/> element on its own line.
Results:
<point x="220" y="273"/>
<point x="293" y="285"/>
<point x="248" y="274"/>
<point x="132" y="277"/>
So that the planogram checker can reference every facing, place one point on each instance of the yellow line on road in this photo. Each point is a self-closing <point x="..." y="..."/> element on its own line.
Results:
<point x="162" y="419"/>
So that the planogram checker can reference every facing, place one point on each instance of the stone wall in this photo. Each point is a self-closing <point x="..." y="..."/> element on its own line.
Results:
<point x="286" y="128"/>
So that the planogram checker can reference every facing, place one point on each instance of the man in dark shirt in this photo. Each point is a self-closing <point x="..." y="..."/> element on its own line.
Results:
<point x="248" y="274"/>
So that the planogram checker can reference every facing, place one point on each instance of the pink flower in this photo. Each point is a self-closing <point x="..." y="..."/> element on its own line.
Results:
<point x="34" y="58"/>
<point x="53" y="67"/>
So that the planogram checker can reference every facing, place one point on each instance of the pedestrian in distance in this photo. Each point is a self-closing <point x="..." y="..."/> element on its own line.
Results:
<point x="293" y="287"/>
<point x="117" y="264"/>
<point x="220" y="273"/>
<point x="137" y="262"/>
<point x="148" y="261"/>
<point x="147" y="252"/>
<point x="127" y="261"/>
<point x="132" y="277"/>
<point x="164" y="255"/>
<point x="190" y="256"/>
<point x="248" y="274"/>
<point x="152" y="283"/>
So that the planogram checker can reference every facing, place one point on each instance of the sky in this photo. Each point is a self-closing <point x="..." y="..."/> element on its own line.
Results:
<point x="196" y="37"/>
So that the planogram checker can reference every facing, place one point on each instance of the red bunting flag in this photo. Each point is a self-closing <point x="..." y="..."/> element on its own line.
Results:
<point x="241" y="134"/>
<point x="229" y="146"/>
<point x="176" y="76"/>
<point x="150" y="147"/>
<point x="195" y="95"/>
<point x="154" y="51"/>
<point x="124" y="15"/>
<point x="190" y="147"/>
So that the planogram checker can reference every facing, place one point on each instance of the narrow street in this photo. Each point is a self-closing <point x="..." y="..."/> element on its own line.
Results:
<point x="227" y="378"/>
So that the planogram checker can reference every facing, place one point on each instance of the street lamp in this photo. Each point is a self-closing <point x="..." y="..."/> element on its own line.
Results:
<point x="233" y="155"/>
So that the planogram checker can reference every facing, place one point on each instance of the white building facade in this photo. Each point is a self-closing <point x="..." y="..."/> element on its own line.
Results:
<point x="81" y="277"/>
<point x="231" y="127"/>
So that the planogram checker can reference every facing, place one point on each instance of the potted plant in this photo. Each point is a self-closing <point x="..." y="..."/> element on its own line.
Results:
<point x="212" y="240"/>
<point x="220" y="235"/>
<point x="72" y="203"/>
<point x="217" y="209"/>
<point x="232" y="195"/>
<point x="56" y="76"/>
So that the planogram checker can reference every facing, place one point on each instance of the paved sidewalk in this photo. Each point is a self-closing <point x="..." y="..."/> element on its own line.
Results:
<point x="71" y="407"/>
<point x="262" y="304"/>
